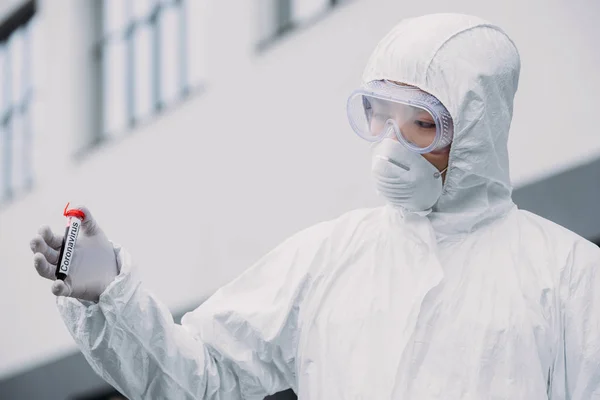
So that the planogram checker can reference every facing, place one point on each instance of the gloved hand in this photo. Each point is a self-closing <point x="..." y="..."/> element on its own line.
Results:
<point x="93" y="267"/>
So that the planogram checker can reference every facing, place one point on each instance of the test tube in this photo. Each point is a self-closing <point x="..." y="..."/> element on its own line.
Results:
<point x="67" y="249"/>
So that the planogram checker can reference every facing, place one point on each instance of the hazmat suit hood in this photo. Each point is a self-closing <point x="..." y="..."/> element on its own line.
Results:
<point x="473" y="68"/>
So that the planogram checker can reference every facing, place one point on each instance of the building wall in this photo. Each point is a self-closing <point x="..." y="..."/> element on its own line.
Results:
<point x="261" y="150"/>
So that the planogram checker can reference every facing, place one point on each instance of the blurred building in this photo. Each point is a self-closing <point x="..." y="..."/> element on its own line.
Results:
<point x="202" y="133"/>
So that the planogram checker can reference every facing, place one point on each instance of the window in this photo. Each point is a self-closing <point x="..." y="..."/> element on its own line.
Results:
<point x="150" y="58"/>
<point x="277" y="17"/>
<point x="16" y="94"/>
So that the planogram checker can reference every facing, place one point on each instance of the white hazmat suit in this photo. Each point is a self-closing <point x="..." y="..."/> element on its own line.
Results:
<point x="477" y="300"/>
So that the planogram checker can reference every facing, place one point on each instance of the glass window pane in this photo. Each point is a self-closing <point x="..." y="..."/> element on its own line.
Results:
<point x="141" y="9"/>
<point x="303" y="10"/>
<point x="15" y="47"/>
<point x="26" y="67"/>
<point x="195" y="41"/>
<point x="169" y="46"/>
<point x="142" y="71"/>
<point x="267" y="19"/>
<point x="4" y="83"/>
<point x="18" y="152"/>
<point x="37" y="76"/>
<point x="4" y="167"/>
<point x="35" y="121"/>
<point x="114" y="87"/>
<point x="35" y="49"/>
<point x="114" y="16"/>
<point x="28" y="159"/>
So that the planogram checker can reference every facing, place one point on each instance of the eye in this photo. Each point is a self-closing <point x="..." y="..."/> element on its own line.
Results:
<point x="425" y="124"/>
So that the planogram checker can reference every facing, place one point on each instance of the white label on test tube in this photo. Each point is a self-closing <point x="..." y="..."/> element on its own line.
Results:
<point x="70" y="240"/>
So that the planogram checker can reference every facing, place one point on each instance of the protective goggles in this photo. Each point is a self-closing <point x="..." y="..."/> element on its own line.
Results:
<point x="418" y="119"/>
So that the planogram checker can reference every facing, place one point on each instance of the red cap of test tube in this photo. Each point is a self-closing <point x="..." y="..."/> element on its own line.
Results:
<point x="73" y="213"/>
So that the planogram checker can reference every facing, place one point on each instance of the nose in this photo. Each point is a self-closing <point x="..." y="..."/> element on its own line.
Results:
<point x="391" y="128"/>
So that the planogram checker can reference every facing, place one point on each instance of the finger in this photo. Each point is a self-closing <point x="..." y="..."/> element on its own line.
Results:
<point x="51" y="239"/>
<point x="38" y="245"/>
<point x="60" y="288"/>
<point x="89" y="225"/>
<point x="43" y="267"/>
<point x="83" y="294"/>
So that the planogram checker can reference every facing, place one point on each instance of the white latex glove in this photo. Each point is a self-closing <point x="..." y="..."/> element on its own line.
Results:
<point x="94" y="265"/>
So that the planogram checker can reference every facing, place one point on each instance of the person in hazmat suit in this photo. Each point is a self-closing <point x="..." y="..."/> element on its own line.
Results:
<point x="449" y="291"/>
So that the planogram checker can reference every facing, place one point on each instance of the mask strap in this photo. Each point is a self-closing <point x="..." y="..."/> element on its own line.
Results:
<point x="444" y="170"/>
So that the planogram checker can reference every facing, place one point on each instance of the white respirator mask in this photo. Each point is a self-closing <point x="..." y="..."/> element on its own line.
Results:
<point x="405" y="178"/>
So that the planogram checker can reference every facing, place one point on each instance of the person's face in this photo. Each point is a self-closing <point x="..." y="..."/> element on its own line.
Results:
<point x="416" y="125"/>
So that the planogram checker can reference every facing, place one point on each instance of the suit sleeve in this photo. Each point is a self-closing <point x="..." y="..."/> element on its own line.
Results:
<point x="240" y="344"/>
